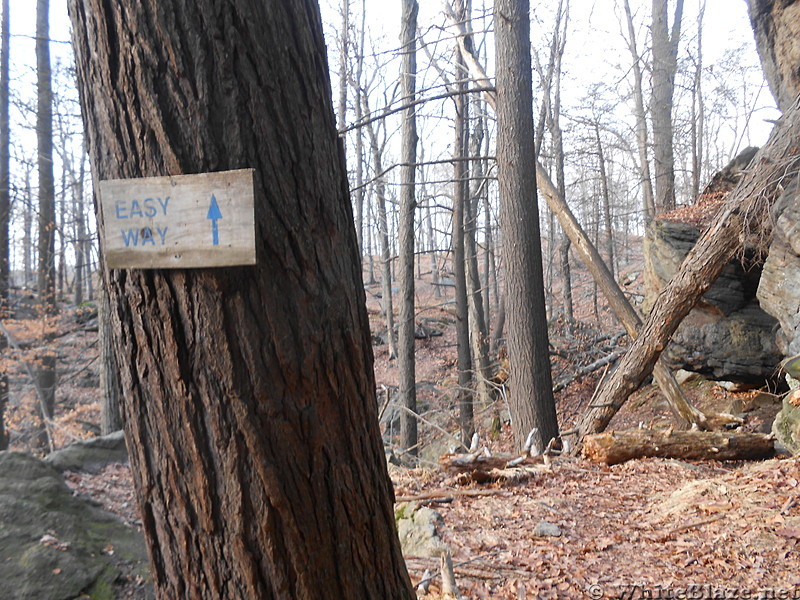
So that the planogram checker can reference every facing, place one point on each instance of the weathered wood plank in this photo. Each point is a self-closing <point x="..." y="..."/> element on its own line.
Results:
<point x="179" y="222"/>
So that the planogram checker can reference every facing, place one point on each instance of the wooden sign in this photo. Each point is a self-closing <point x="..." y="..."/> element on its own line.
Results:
<point x="179" y="222"/>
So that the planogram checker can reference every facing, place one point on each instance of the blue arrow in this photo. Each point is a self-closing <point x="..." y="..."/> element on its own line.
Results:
<point x="214" y="215"/>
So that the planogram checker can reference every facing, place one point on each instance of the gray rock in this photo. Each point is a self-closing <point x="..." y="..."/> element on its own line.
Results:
<point x="418" y="528"/>
<point x="727" y="335"/>
<point x="90" y="455"/>
<point x="53" y="546"/>
<point x="786" y="427"/>
<point x="779" y="289"/>
<point x="545" y="529"/>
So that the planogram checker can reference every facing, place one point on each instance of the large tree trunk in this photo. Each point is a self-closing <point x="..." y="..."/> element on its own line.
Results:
<point x="5" y="204"/>
<point x="249" y="403"/>
<point x="745" y="211"/>
<point x="532" y="404"/>
<point x="665" y="64"/>
<point x="405" y="338"/>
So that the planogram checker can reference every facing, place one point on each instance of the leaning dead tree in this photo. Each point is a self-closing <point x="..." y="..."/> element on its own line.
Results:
<point x="743" y="214"/>
<point x="594" y="263"/>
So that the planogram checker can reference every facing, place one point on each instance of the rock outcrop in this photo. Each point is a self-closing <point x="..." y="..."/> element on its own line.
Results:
<point x="727" y="335"/>
<point x="779" y="289"/>
<point x="54" y="546"/>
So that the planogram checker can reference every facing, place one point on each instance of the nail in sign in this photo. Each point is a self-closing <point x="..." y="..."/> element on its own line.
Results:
<point x="179" y="222"/>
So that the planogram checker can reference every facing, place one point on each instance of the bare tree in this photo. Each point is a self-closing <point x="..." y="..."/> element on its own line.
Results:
<point x="408" y="159"/>
<point x="379" y="185"/>
<point x="642" y="144"/>
<point x="665" y="65"/>
<point x="533" y="407"/>
<point x="460" y="200"/>
<point x="46" y="370"/>
<point x="5" y="203"/>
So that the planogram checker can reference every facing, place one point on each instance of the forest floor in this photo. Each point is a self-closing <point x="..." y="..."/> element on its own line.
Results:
<point x="648" y="528"/>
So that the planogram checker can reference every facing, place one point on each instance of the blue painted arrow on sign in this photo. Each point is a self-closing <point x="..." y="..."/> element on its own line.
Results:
<point x="214" y="215"/>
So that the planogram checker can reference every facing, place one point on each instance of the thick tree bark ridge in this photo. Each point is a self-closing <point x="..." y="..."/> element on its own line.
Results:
<point x="248" y="392"/>
<point x="746" y="211"/>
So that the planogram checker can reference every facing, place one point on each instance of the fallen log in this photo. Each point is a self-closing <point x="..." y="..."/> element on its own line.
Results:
<point x="613" y="448"/>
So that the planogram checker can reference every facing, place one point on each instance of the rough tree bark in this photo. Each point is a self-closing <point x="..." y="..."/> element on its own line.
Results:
<point x="665" y="64"/>
<point x="746" y="210"/>
<point x="533" y="406"/>
<point x="408" y="158"/>
<point x="249" y="402"/>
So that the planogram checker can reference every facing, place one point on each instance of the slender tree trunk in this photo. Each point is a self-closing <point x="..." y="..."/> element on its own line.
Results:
<point x="532" y="401"/>
<point x="360" y="136"/>
<point x="46" y="370"/>
<point x="82" y="272"/>
<point x="383" y="237"/>
<point x="344" y="40"/>
<point x="249" y="396"/>
<point x="408" y="203"/>
<point x="437" y="291"/>
<point x="27" y="230"/>
<point x="607" y="220"/>
<point x="5" y="203"/>
<point x="642" y="144"/>
<point x="477" y="317"/>
<point x="460" y="199"/>
<point x="746" y="210"/>
<point x="665" y="64"/>
<point x="698" y="110"/>
<point x="110" y="390"/>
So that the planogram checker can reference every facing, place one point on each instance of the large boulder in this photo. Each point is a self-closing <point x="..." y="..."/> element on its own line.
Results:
<point x="727" y="335"/>
<point x="90" y="455"/>
<point x="54" y="546"/>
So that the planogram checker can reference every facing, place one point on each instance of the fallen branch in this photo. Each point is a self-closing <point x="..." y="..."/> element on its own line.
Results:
<point x="440" y="494"/>
<point x="615" y="447"/>
<point x="590" y="368"/>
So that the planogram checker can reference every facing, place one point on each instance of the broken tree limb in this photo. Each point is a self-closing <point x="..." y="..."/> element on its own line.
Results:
<point x="592" y="260"/>
<point x="613" y="448"/>
<point x="590" y="368"/>
<point x="746" y="210"/>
